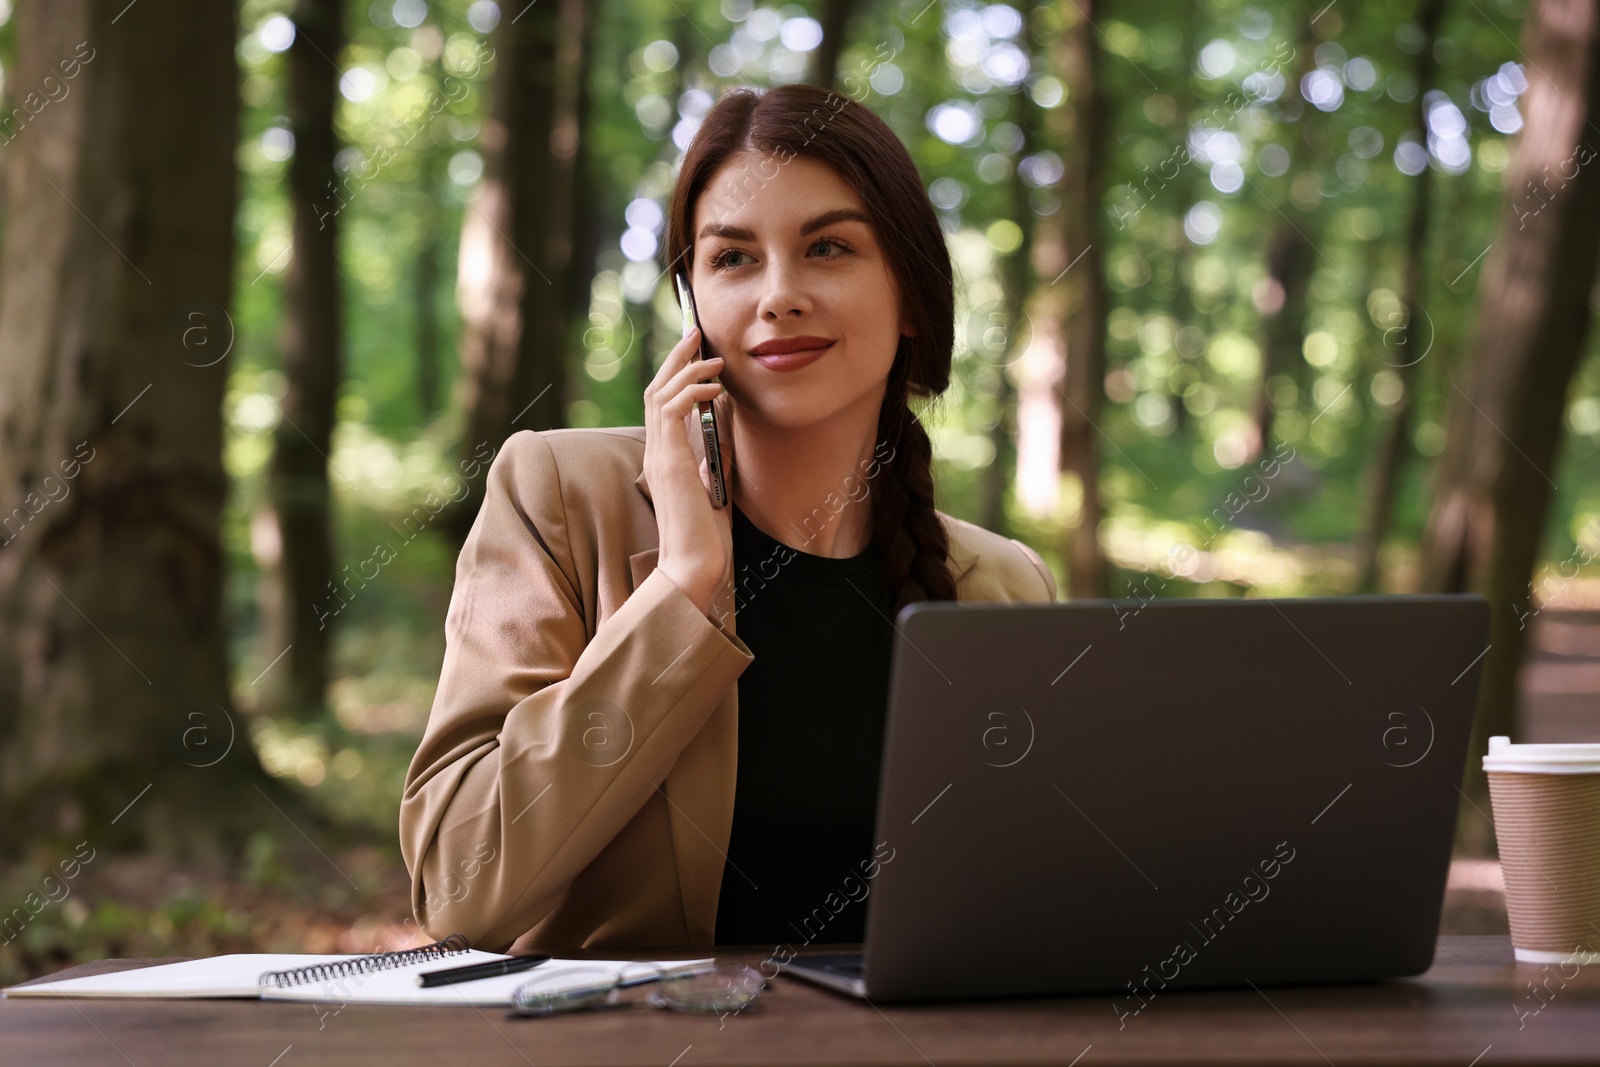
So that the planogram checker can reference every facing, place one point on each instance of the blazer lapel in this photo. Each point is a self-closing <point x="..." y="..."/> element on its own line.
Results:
<point x="962" y="558"/>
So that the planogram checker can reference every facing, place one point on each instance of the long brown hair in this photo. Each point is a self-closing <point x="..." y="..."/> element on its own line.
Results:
<point x="791" y="120"/>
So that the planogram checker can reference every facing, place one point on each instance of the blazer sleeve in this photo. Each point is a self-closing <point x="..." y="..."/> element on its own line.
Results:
<point x="543" y="742"/>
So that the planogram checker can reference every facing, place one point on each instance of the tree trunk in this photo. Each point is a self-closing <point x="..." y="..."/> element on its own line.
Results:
<point x="1077" y="129"/>
<point x="424" y="295"/>
<point x="1494" y="484"/>
<point x="1184" y="183"/>
<point x="116" y="722"/>
<point x="1413" y="335"/>
<point x="516" y="241"/>
<point x="1289" y="254"/>
<point x="650" y="334"/>
<point x="313" y="340"/>
<point x="585" y="216"/>
<point x="1290" y="251"/>
<point x="1016" y="279"/>
<point x="824" y="66"/>
<point x="425" y="292"/>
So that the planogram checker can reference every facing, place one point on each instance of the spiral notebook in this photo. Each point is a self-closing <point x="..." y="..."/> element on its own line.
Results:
<point x="378" y="978"/>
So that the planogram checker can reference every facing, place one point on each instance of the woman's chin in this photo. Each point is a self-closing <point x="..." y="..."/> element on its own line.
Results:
<point x="809" y="406"/>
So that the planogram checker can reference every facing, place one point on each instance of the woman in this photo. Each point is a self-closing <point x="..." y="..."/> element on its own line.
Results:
<point x="608" y="762"/>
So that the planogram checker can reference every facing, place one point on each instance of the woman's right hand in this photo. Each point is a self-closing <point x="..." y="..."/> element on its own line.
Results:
<point x="696" y="537"/>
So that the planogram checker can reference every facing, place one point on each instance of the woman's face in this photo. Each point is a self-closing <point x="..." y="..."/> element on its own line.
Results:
<point x="785" y="250"/>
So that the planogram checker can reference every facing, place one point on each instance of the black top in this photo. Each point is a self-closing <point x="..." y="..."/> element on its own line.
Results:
<point x="812" y="706"/>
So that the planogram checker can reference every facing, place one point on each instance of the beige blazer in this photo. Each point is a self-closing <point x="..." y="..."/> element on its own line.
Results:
<point x="574" y="786"/>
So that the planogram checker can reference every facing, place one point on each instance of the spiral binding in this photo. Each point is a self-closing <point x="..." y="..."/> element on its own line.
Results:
<point x="381" y="961"/>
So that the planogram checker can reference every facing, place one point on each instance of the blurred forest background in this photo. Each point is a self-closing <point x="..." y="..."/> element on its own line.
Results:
<point x="1254" y="298"/>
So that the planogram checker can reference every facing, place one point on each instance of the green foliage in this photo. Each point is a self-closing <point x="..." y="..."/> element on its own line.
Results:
<point x="1188" y="284"/>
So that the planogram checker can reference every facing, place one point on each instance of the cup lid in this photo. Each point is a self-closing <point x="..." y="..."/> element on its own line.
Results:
<point x="1542" y="759"/>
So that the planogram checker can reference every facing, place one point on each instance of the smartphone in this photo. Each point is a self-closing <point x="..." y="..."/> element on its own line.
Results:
<point x="708" y="413"/>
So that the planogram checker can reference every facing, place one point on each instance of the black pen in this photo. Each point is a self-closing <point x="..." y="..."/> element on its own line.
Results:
<point x="472" y="972"/>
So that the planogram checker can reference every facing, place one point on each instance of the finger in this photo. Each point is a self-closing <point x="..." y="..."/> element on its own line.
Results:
<point x="694" y="373"/>
<point x="691" y="372"/>
<point x="683" y="404"/>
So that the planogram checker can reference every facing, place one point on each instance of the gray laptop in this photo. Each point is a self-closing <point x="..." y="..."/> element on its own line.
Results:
<point x="1133" y="798"/>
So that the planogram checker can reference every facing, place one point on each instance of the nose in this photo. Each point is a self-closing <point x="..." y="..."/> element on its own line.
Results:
<point x="783" y="297"/>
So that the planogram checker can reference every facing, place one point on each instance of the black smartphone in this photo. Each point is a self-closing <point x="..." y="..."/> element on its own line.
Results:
<point x="708" y="413"/>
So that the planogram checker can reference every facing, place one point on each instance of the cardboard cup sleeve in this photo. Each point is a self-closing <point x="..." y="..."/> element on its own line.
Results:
<point x="1546" y="802"/>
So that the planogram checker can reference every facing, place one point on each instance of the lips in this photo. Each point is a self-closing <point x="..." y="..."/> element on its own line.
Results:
<point x="790" y="353"/>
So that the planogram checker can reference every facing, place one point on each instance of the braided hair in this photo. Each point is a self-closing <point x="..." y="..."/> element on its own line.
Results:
<point x="796" y="119"/>
<point x="905" y="525"/>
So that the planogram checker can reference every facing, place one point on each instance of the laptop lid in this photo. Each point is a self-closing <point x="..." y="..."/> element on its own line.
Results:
<point x="1132" y="798"/>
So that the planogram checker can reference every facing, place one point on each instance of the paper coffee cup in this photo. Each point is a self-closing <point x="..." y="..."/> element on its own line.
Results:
<point x="1547" y="821"/>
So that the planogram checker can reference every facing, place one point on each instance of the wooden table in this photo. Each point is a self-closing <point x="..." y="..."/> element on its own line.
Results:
<point x="1475" y="1006"/>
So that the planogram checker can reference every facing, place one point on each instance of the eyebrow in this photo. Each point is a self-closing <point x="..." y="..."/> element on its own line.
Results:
<point x="827" y="218"/>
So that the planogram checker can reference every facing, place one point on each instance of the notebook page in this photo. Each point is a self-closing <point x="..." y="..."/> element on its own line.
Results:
<point x="399" y="986"/>
<point x="233" y="975"/>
